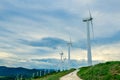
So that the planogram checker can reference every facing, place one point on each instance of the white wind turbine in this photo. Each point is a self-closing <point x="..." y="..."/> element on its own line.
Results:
<point x="61" y="60"/>
<point x="69" y="50"/>
<point x="69" y="44"/>
<point x="89" y="21"/>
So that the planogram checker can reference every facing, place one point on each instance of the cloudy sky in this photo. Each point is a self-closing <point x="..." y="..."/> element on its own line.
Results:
<point x="37" y="29"/>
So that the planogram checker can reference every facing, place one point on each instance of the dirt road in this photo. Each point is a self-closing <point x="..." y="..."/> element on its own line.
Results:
<point x="71" y="76"/>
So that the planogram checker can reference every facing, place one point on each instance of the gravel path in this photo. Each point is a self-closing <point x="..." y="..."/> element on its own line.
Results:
<point x="71" y="76"/>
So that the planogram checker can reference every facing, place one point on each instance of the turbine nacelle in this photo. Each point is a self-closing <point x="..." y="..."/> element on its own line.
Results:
<point x="61" y="53"/>
<point x="69" y="44"/>
<point x="87" y="19"/>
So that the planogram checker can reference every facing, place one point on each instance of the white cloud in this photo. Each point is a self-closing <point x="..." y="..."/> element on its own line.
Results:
<point x="107" y="52"/>
<point x="6" y="55"/>
<point x="105" y="24"/>
<point x="27" y="22"/>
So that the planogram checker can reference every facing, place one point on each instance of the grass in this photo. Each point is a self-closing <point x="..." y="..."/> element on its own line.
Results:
<point x="6" y="78"/>
<point x="102" y="71"/>
<point x="55" y="76"/>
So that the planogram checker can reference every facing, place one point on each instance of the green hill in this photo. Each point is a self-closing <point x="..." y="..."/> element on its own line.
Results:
<point x="102" y="71"/>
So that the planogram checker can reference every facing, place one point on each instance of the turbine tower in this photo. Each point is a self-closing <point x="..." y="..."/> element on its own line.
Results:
<point x="61" y="57"/>
<point x="69" y="49"/>
<point x="88" y="22"/>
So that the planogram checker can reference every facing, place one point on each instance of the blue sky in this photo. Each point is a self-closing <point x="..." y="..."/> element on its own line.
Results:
<point x="36" y="29"/>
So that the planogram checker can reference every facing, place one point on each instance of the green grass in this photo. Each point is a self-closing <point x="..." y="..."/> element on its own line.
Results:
<point x="55" y="76"/>
<point x="6" y="78"/>
<point x="102" y="71"/>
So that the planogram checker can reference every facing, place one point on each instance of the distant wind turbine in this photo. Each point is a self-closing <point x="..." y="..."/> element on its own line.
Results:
<point x="40" y="73"/>
<point x="33" y="75"/>
<point x="64" y="61"/>
<point x="61" y="58"/>
<point x="69" y="50"/>
<point x="89" y="21"/>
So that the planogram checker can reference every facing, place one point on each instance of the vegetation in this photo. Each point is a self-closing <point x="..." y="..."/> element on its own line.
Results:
<point x="55" y="76"/>
<point x="6" y="78"/>
<point x="102" y="71"/>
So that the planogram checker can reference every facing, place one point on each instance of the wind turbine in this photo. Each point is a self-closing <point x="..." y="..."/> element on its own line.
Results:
<point x="64" y="62"/>
<point x="69" y="50"/>
<point x="89" y="21"/>
<point x="61" y="58"/>
<point x="40" y="73"/>
<point x="33" y="75"/>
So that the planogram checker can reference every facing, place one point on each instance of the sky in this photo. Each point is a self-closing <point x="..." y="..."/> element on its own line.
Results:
<point x="41" y="29"/>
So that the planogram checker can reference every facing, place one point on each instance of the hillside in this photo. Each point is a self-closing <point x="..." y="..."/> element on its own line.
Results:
<point x="102" y="71"/>
<point x="10" y="73"/>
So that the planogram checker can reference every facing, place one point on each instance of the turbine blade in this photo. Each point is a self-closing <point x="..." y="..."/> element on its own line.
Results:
<point x="70" y="41"/>
<point x="92" y="29"/>
<point x="61" y="52"/>
<point x="90" y="14"/>
<point x="91" y="24"/>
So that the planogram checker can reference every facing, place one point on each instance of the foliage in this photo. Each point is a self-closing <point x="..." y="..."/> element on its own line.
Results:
<point x="6" y="78"/>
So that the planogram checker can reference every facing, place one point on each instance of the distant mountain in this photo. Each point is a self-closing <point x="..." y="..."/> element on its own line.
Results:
<point x="20" y="72"/>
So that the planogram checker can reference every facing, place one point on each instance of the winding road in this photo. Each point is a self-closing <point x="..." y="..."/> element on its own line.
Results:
<point x="71" y="76"/>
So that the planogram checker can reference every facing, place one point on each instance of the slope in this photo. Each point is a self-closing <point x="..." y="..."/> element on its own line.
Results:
<point x="102" y="71"/>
